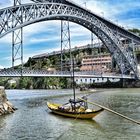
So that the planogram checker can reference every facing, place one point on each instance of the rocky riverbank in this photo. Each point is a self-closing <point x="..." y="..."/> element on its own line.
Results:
<point x="5" y="106"/>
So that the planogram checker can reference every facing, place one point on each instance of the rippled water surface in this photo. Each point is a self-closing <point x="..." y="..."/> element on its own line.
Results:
<point x="33" y="121"/>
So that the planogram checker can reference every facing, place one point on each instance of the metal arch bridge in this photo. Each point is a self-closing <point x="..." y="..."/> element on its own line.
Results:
<point x="115" y="28"/>
<point x="67" y="74"/>
<point x="15" y="17"/>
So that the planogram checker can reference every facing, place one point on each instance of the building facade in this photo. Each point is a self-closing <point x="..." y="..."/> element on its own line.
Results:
<point x="98" y="63"/>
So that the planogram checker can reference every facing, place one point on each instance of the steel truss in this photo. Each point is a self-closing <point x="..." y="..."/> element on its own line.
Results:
<point x="44" y="73"/>
<point x="65" y="39"/>
<point x="65" y="45"/>
<point x="17" y="40"/>
<point x="32" y="13"/>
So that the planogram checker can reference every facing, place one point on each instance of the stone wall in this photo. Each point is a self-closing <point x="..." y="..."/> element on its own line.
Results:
<point x="5" y="106"/>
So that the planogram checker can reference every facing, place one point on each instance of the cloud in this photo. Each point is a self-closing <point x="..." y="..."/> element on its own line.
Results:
<point x="1" y="67"/>
<point x="114" y="9"/>
<point x="6" y="39"/>
<point x="41" y="32"/>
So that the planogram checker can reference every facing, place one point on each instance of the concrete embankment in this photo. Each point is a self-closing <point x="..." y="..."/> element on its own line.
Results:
<point x="5" y="106"/>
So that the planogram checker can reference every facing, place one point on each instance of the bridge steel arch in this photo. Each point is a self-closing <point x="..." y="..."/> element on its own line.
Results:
<point x="27" y="14"/>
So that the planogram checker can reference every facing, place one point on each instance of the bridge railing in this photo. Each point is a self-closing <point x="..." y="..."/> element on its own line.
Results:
<point x="42" y="72"/>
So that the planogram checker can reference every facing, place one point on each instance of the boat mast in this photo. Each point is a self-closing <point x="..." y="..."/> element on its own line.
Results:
<point x="73" y="80"/>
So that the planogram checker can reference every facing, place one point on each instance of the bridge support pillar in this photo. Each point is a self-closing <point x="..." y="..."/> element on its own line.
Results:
<point x="17" y="41"/>
<point x="65" y="45"/>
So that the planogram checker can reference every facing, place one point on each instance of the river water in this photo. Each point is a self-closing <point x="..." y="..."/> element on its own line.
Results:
<point x="33" y="121"/>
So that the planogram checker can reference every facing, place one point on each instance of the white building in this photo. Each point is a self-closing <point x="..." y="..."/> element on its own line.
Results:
<point x="95" y="80"/>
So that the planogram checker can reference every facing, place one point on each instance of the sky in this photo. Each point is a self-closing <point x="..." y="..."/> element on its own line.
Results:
<point x="44" y="37"/>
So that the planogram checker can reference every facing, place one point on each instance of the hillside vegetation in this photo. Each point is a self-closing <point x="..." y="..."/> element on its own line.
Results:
<point x="47" y="63"/>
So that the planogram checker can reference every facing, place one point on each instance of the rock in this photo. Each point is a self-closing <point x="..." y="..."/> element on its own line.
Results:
<point x="5" y="106"/>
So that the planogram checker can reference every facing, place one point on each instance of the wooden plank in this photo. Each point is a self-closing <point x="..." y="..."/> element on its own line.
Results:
<point x="112" y="111"/>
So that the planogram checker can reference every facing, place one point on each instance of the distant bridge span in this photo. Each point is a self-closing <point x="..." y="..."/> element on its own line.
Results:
<point x="19" y="16"/>
<point x="45" y="73"/>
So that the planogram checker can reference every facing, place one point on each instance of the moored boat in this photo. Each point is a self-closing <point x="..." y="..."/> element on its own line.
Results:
<point x="79" y="112"/>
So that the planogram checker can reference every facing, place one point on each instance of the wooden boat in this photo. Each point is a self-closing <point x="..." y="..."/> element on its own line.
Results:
<point x="75" y="108"/>
<point x="79" y="113"/>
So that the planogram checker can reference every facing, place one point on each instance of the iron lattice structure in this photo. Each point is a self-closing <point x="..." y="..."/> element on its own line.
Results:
<point x="65" y="45"/>
<point x="17" y="40"/>
<point x="17" y="2"/>
<point x="32" y="13"/>
<point x="44" y="73"/>
<point x="65" y="40"/>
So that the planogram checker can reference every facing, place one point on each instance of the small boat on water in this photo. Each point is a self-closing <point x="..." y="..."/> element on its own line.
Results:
<point x="78" y="112"/>
<point x="75" y="108"/>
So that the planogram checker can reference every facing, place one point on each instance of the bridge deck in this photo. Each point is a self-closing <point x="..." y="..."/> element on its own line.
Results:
<point x="44" y="73"/>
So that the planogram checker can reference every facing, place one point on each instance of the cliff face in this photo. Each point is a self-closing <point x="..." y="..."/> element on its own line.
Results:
<point x="5" y="106"/>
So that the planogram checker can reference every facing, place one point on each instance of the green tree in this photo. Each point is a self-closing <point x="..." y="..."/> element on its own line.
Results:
<point x="134" y="30"/>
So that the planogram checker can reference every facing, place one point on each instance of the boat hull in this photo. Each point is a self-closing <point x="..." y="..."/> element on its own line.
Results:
<point x="79" y="115"/>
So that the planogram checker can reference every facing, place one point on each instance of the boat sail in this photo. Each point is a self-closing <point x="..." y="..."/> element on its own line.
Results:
<point x="75" y="108"/>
